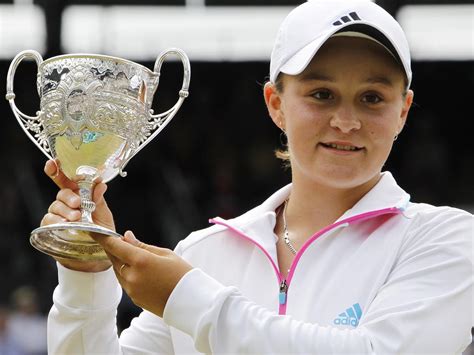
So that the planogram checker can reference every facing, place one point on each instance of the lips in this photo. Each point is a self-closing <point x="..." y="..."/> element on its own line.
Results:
<point x="342" y="146"/>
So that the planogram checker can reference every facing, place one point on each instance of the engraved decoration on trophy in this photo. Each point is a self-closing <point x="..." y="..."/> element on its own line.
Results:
<point x="95" y="115"/>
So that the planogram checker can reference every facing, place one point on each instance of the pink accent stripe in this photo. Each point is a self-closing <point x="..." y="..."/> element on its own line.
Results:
<point x="240" y="233"/>
<point x="357" y="218"/>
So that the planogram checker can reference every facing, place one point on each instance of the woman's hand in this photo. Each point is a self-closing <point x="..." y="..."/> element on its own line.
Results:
<point x="66" y="208"/>
<point x="147" y="273"/>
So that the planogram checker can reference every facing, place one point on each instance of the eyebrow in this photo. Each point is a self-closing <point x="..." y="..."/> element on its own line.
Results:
<point x="314" y="76"/>
<point x="380" y="80"/>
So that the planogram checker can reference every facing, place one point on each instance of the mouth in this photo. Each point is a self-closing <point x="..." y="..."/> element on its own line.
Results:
<point x="345" y="147"/>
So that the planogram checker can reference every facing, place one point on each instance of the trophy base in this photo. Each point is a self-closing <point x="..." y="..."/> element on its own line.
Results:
<point x="71" y="240"/>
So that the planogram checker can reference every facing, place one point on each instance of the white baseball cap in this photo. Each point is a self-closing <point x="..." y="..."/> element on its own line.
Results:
<point x="311" y="24"/>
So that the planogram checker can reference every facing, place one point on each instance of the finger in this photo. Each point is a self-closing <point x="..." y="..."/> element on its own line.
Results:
<point x="118" y="269"/>
<point x="130" y="238"/>
<point x="51" y="169"/>
<point x="120" y="272"/>
<point x="69" y="198"/>
<point x="98" y="193"/>
<point x="113" y="259"/>
<point x="120" y="249"/>
<point x="60" y="209"/>
<point x="116" y="263"/>
<point x="51" y="218"/>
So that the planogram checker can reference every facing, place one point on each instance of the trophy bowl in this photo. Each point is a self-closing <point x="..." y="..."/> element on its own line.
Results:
<point x="95" y="115"/>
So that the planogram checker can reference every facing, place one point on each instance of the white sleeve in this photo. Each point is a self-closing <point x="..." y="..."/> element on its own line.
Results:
<point x="83" y="319"/>
<point x="221" y="320"/>
<point x="424" y="307"/>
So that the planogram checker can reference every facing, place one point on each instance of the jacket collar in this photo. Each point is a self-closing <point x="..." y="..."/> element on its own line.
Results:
<point x="260" y="221"/>
<point x="385" y="194"/>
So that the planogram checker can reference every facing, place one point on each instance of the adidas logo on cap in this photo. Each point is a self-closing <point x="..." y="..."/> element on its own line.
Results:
<point x="345" y="19"/>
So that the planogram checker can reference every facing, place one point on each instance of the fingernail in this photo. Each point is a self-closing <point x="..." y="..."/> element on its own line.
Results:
<point x="56" y="170"/>
<point x="131" y="235"/>
<point x="56" y="165"/>
<point x="47" y="169"/>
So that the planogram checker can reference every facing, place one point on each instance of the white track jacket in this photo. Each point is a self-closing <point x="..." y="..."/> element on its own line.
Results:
<point x="388" y="277"/>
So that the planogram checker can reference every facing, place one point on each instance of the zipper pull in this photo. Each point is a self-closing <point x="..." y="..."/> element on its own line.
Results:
<point x="283" y="291"/>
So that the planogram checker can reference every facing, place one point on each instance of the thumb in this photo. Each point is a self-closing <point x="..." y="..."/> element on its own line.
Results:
<point x="130" y="238"/>
<point x="98" y="194"/>
<point x="51" y="168"/>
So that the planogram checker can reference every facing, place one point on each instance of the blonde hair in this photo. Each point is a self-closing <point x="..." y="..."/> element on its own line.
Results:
<point x="284" y="155"/>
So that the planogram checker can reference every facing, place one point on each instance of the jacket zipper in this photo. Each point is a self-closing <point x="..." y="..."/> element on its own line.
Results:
<point x="283" y="293"/>
<point x="284" y="284"/>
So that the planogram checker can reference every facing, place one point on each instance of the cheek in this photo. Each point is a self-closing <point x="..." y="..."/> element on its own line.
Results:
<point x="304" y="130"/>
<point x="305" y="119"/>
<point x="381" y="132"/>
<point x="383" y="127"/>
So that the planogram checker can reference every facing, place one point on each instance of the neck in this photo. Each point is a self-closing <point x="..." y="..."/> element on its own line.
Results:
<point x="313" y="206"/>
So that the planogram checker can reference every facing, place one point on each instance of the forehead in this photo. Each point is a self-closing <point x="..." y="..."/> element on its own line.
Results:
<point x="349" y="57"/>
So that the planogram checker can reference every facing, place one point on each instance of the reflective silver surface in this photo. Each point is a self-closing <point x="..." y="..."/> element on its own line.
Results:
<point x="95" y="115"/>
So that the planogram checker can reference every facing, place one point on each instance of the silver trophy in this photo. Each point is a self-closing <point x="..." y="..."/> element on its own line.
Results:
<point x="95" y="115"/>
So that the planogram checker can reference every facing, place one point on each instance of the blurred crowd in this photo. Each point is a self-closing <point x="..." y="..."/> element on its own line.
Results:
<point x="22" y="324"/>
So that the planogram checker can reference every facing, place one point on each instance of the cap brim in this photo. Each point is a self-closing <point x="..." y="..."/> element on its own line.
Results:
<point x="298" y="62"/>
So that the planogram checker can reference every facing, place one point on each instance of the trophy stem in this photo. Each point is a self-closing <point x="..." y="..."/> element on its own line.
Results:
<point x="87" y="205"/>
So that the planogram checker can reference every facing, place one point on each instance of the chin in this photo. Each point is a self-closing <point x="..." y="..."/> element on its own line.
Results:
<point x="345" y="178"/>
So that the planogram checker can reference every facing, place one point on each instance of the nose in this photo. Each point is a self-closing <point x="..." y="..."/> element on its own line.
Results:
<point x="345" y="119"/>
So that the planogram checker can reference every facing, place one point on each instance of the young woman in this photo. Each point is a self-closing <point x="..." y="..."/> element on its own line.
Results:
<point x="339" y="261"/>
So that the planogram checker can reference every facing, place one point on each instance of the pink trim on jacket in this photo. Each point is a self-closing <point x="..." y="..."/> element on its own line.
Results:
<point x="342" y="223"/>
<point x="243" y="235"/>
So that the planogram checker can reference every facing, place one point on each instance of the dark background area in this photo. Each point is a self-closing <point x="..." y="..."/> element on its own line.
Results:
<point x="216" y="156"/>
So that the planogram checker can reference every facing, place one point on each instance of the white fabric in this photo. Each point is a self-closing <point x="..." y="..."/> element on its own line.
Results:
<point x="411" y="275"/>
<point x="310" y="25"/>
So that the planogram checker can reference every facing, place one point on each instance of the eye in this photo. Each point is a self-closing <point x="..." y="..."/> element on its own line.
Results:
<point x="323" y="95"/>
<point x="371" y="98"/>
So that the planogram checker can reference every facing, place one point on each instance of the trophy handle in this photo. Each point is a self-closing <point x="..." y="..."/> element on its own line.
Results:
<point x="159" y="121"/>
<point x="27" y="123"/>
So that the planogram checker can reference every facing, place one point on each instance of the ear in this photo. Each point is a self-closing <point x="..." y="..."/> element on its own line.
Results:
<point x="273" y="102"/>
<point x="408" y="101"/>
